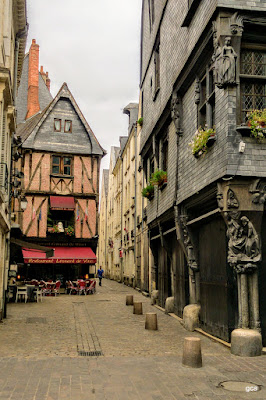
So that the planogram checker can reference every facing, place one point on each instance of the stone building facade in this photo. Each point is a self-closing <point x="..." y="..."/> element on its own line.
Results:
<point x="60" y="162"/>
<point x="13" y="34"/>
<point x="203" y="71"/>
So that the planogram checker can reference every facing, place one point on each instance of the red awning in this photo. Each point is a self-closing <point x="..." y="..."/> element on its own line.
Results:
<point x="62" y="255"/>
<point x="62" y="203"/>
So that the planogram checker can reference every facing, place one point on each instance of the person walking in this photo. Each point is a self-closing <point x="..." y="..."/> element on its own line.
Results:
<point x="100" y="275"/>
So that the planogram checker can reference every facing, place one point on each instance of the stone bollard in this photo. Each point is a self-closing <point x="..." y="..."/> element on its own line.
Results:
<point x="129" y="300"/>
<point x="151" y="321"/>
<point x="246" y="343"/>
<point x="192" y="352"/>
<point x="137" y="308"/>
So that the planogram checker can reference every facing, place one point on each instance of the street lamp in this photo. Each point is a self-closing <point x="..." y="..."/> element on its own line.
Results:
<point x="23" y="203"/>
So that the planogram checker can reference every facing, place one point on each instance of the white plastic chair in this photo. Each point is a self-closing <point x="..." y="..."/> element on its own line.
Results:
<point x="38" y="293"/>
<point x="22" y="292"/>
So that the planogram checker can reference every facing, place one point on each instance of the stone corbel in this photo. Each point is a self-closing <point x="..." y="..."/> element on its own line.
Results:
<point x="258" y="192"/>
<point x="236" y="24"/>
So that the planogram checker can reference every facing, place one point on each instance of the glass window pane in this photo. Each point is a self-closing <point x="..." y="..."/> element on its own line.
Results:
<point x="66" y="170"/>
<point x="67" y="161"/>
<point x="55" y="169"/>
<point x="56" y="160"/>
<point x="68" y="126"/>
<point x="57" y="125"/>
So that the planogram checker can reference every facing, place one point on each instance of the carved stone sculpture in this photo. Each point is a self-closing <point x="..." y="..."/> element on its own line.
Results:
<point x="243" y="245"/>
<point x="232" y="201"/>
<point x="197" y="92"/>
<point x="60" y="227"/>
<point x="175" y="113"/>
<point x="192" y="263"/>
<point x="236" y="24"/>
<point x="243" y="255"/>
<point x="225" y="64"/>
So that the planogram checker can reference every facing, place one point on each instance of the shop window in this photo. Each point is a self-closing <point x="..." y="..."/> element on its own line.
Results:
<point x="61" y="165"/>
<point x="57" y="125"/>
<point x="253" y="81"/>
<point x="68" y="126"/>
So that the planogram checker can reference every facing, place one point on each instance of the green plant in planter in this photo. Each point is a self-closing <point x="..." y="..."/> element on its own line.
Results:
<point x="54" y="229"/>
<point x="257" y="123"/>
<point x="159" y="177"/>
<point x="148" y="192"/>
<point x="200" y="140"/>
<point x="69" y="231"/>
<point x="140" y="121"/>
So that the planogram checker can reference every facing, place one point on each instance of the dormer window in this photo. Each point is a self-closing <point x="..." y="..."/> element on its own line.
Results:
<point x="68" y="126"/>
<point x="57" y="125"/>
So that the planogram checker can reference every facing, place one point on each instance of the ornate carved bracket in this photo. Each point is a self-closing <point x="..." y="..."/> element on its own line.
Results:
<point x="191" y="259"/>
<point x="258" y="190"/>
<point x="176" y="113"/>
<point x="232" y="201"/>
<point x="244" y="249"/>
<point x="236" y="24"/>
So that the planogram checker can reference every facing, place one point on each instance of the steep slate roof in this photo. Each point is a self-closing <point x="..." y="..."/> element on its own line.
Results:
<point x="45" y="96"/>
<point x="30" y="128"/>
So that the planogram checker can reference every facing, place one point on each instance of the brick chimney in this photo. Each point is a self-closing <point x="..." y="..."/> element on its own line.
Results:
<point x="33" y="80"/>
<point x="48" y="81"/>
<point x="43" y="74"/>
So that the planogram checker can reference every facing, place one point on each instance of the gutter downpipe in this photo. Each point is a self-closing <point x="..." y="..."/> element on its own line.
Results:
<point x="135" y="200"/>
<point x="122" y="196"/>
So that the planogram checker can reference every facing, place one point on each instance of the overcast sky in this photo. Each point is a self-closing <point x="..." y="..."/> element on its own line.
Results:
<point x="93" y="46"/>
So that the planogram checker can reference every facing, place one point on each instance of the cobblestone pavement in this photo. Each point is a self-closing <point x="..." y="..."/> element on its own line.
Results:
<point x="47" y="352"/>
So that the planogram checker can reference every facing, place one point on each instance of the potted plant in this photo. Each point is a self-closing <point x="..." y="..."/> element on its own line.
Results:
<point x="140" y="121"/>
<point x="54" y="229"/>
<point x="257" y="122"/>
<point x="203" y="138"/>
<point x="69" y="231"/>
<point x="159" y="177"/>
<point x="148" y="192"/>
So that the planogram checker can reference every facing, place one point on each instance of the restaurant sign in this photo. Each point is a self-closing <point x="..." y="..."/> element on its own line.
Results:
<point x="59" y="261"/>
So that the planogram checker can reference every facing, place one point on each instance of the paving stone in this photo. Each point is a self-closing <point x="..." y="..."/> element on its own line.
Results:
<point x="41" y="361"/>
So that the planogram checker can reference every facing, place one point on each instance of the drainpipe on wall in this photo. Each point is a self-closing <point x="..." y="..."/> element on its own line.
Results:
<point x="135" y="201"/>
<point x="122" y="194"/>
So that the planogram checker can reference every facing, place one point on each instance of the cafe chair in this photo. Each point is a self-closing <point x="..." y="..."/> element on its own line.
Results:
<point x="56" y="289"/>
<point x="73" y="289"/>
<point x="21" y="293"/>
<point x="92" y="288"/>
<point x="82" y="287"/>
<point x="38" y="293"/>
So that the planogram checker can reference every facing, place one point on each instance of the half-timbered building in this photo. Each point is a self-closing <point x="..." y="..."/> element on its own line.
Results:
<point x="60" y="162"/>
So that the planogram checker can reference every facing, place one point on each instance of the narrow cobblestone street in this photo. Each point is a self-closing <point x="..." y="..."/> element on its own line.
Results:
<point x="46" y="352"/>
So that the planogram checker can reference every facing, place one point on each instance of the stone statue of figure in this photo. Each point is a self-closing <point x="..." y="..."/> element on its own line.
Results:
<point x="60" y="227"/>
<point x="175" y="112"/>
<point x="224" y="63"/>
<point x="229" y="57"/>
<point x="243" y="245"/>
<point x="252" y="246"/>
<point x="217" y="59"/>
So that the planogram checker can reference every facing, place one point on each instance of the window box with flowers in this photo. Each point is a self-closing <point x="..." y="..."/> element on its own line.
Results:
<point x="159" y="178"/>
<point x="148" y="192"/>
<point x="203" y="139"/>
<point x="255" y="126"/>
<point x="53" y="229"/>
<point x="69" y="231"/>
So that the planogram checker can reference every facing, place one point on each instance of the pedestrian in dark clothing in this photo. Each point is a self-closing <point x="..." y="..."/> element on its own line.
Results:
<point x="100" y="275"/>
